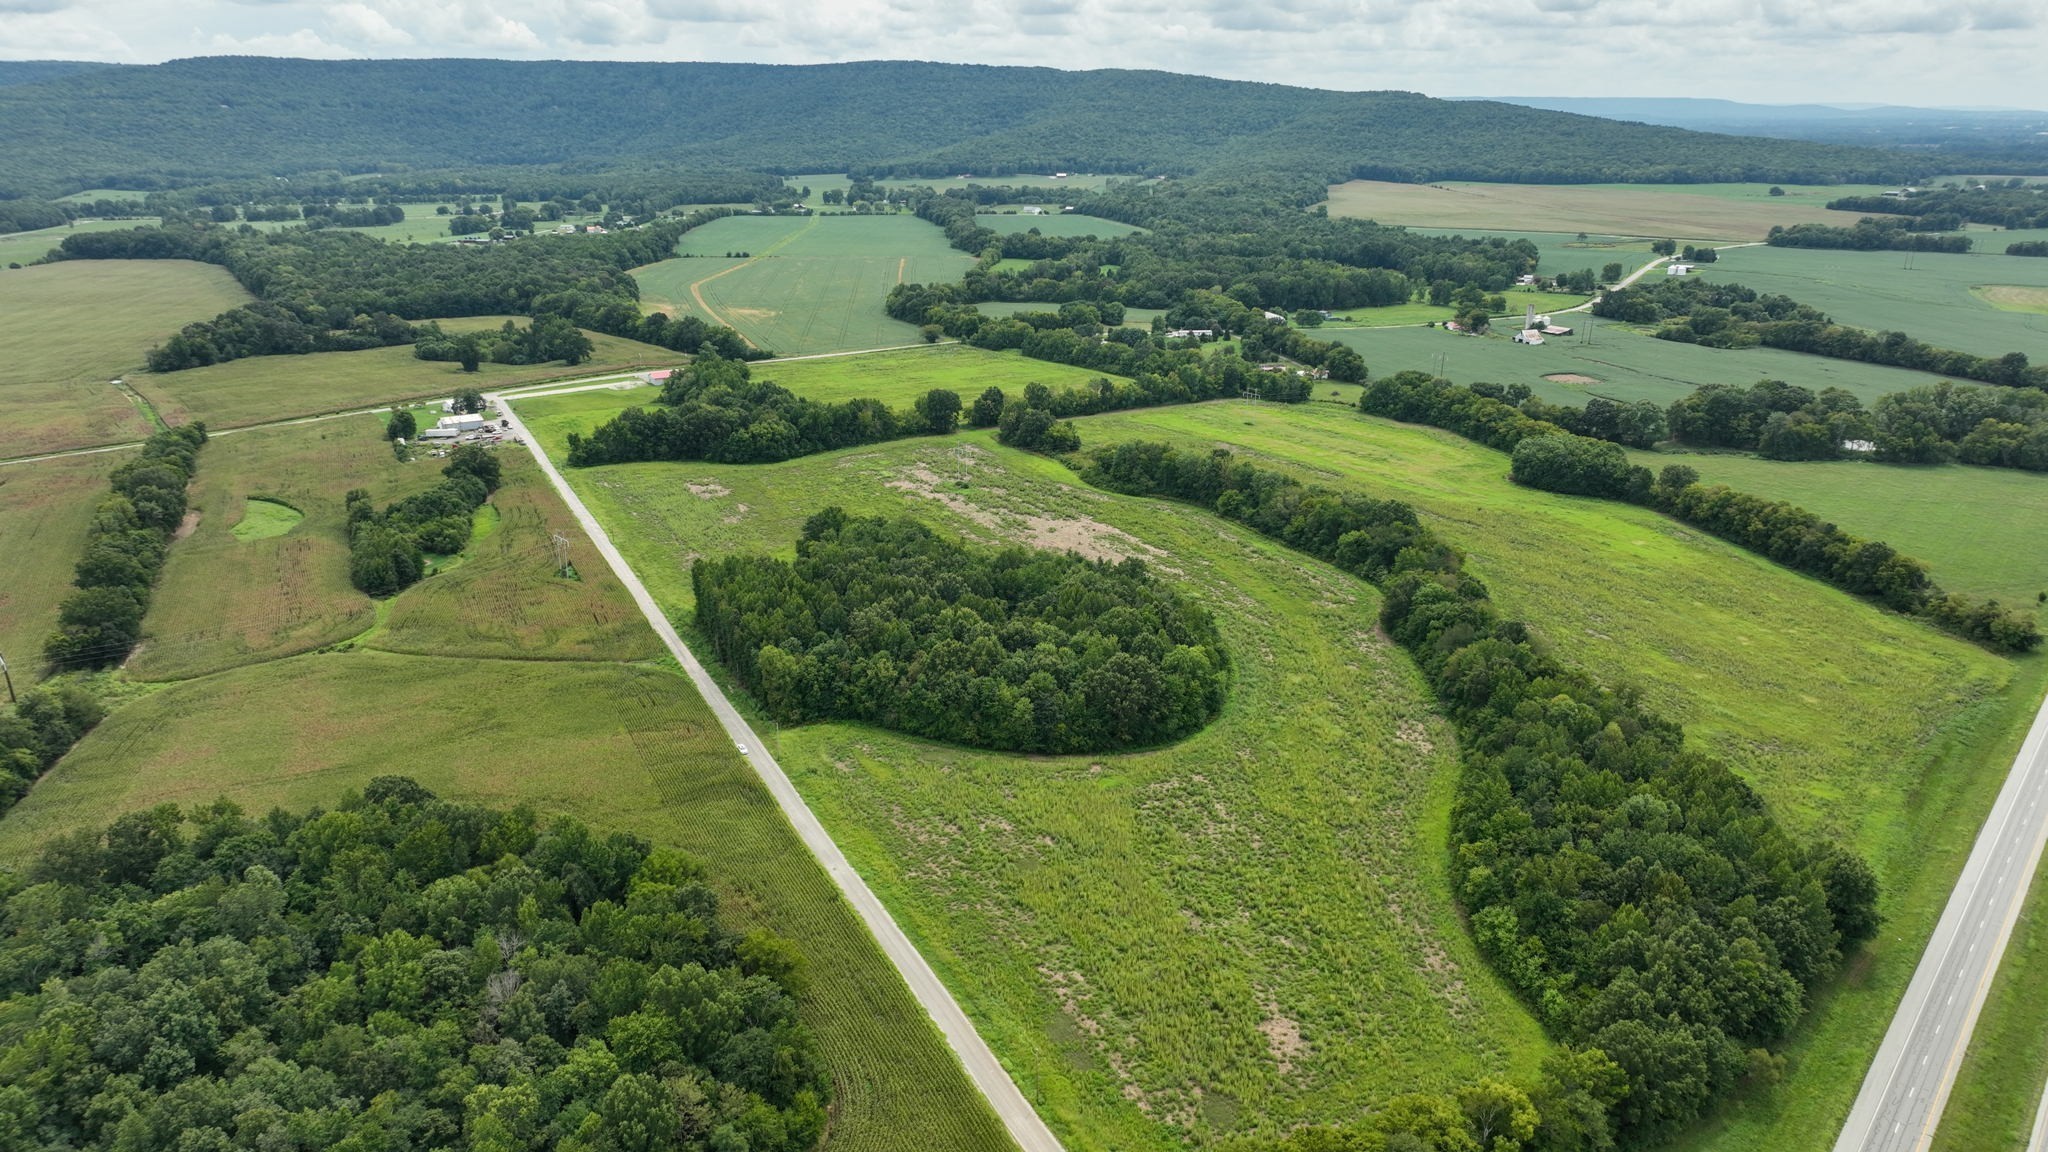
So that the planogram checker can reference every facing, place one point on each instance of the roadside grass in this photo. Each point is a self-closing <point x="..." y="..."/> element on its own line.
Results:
<point x="1239" y="933"/>
<point x="1626" y="364"/>
<point x="1856" y="725"/>
<point x="616" y="745"/>
<point x="44" y="510"/>
<point x="1055" y="223"/>
<point x="262" y="389"/>
<point x="1654" y="210"/>
<point x="809" y="283"/>
<point x="22" y="247"/>
<point x="1942" y="298"/>
<point x="66" y="329"/>
<point x="1998" y="1088"/>
<point x="1980" y="529"/>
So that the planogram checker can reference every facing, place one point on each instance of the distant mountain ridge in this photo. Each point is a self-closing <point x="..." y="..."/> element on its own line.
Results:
<point x="256" y="117"/>
<point x="2016" y="138"/>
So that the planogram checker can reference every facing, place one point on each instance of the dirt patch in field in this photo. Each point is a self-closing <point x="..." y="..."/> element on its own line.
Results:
<point x="1570" y="378"/>
<point x="187" y="526"/>
<point x="1283" y="1038"/>
<point x="707" y="489"/>
<point x="1086" y="537"/>
<point x="755" y="315"/>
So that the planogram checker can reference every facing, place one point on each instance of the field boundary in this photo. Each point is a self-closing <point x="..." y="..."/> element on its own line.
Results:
<point x="1016" y="1113"/>
<point x="770" y="250"/>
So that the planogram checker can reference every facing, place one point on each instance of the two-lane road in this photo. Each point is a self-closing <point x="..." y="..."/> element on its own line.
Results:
<point x="1902" y="1097"/>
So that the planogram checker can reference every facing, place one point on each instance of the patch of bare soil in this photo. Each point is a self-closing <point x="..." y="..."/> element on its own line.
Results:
<point x="707" y="489"/>
<point x="188" y="526"/>
<point x="1570" y="378"/>
<point x="1283" y="1038"/>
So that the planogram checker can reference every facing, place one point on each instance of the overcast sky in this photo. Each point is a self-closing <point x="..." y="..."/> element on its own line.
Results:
<point x="1923" y="52"/>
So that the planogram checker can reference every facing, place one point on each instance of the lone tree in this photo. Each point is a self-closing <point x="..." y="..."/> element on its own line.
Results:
<point x="402" y="425"/>
<point x="469" y="399"/>
<point x="939" y="410"/>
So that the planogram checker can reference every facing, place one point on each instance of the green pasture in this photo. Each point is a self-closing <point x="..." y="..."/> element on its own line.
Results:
<point x="1856" y="725"/>
<point x="92" y="194"/>
<point x="1980" y="529"/>
<point x="1055" y="223"/>
<point x="1399" y="315"/>
<point x="1235" y="934"/>
<point x="265" y="519"/>
<point x="45" y="507"/>
<point x="809" y="284"/>
<point x="1621" y="363"/>
<point x="66" y="329"/>
<point x="1925" y="294"/>
<point x="22" y="247"/>
<point x="1133" y="317"/>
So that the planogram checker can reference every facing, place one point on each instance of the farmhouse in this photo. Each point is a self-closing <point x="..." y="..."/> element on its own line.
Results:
<point x="658" y="376"/>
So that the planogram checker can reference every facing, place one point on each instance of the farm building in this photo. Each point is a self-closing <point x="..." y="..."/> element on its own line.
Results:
<point x="658" y="376"/>
<point x="1274" y="316"/>
<point x="1528" y="336"/>
<point x="1678" y="269"/>
<point x="440" y="433"/>
<point x="1556" y="330"/>
<point x="466" y="422"/>
<point x="1032" y="210"/>
<point x="1198" y="333"/>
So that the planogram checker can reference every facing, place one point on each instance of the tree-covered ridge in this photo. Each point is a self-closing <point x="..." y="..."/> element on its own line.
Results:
<point x="400" y="972"/>
<point x="1637" y="892"/>
<point x="887" y="622"/>
<point x="203" y="119"/>
<point x="1722" y="314"/>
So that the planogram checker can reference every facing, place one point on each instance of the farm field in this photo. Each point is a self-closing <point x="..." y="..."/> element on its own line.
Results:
<point x="1400" y="315"/>
<point x="1055" y="224"/>
<point x="1854" y="724"/>
<point x="1166" y="931"/>
<point x="1978" y="528"/>
<point x="822" y="182"/>
<point x="1133" y="317"/>
<point x="261" y="389"/>
<point x="1620" y="363"/>
<point x="66" y="329"/>
<point x="1654" y="210"/>
<point x="2014" y="298"/>
<point x="45" y="507"/>
<point x="1935" y="300"/>
<point x="22" y="247"/>
<point x="809" y="284"/>
<point x="616" y="745"/>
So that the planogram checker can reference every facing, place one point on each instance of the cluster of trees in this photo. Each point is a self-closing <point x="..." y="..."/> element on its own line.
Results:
<point x="267" y="329"/>
<point x="28" y="215"/>
<point x="1578" y="466"/>
<point x="131" y="529"/>
<point x="44" y="724"/>
<point x="1874" y="233"/>
<point x="2013" y="204"/>
<point x="1776" y="420"/>
<point x="333" y="214"/>
<point x="400" y="972"/>
<point x="2027" y="248"/>
<point x="1638" y="893"/>
<point x="388" y="549"/>
<point x="1031" y="425"/>
<point x="544" y="340"/>
<point x="1719" y="314"/>
<point x="886" y="622"/>
<point x="1995" y="427"/>
<point x="1484" y="412"/>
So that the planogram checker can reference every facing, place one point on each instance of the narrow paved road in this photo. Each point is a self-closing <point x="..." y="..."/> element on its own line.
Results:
<point x="988" y="1074"/>
<point x="1909" y="1082"/>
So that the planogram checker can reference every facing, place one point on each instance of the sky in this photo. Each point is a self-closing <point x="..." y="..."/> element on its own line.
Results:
<point x="1922" y="52"/>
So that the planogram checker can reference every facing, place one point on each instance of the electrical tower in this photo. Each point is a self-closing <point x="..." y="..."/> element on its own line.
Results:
<point x="561" y="544"/>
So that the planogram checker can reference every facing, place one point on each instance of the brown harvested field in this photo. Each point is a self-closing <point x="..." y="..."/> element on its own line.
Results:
<point x="1701" y="211"/>
<point x="226" y="601"/>
<point x="44" y="509"/>
<point x="67" y="329"/>
<point x="266" y="388"/>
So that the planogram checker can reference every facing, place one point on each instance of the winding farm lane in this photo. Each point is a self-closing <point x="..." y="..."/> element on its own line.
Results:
<point x="1909" y="1082"/>
<point x="987" y="1072"/>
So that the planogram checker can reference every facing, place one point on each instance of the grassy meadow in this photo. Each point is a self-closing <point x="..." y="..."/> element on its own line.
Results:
<point x="1655" y="210"/>
<point x="808" y="284"/>
<point x="1055" y="223"/>
<point x="1855" y="725"/>
<point x="45" y="507"/>
<point x="66" y="329"/>
<point x="1948" y="299"/>
<point x="22" y="247"/>
<point x="1163" y="946"/>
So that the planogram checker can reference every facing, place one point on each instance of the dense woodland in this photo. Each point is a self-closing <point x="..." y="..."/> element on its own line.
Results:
<point x="44" y="724"/>
<point x="1549" y="457"/>
<point x="399" y="972"/>
<point x="886" y="622"/>
<point x="131" y="530"/>
<point x="1721" y="314"/>
<point x="191" y="121"/>
<point x="1635" y="891"/>
<point x="388" y="550"/>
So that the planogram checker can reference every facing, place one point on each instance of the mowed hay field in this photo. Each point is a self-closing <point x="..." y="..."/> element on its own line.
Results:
<point x="808" y="284"/>
<point x="1946" y="299"/>
<point x="1621" y="363"/>
<point x="45" y="507"/>
<point x="2014" y="298"/>
<point x="1979" y="528"/>
<point x="1239" y="933"/>
<point x="616" y="745"/>
<point x="66" y="329"/>
<point x="261" y="389"/>
<point x="1854" y="724"/>
<point x="1655" y="210"/>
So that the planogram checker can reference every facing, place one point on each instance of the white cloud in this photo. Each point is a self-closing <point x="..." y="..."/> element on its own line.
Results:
<point x="363" y="24"/>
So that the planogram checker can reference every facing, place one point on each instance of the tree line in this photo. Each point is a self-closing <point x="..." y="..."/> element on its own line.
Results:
<point x="886" y="622"/>
<point x="1932" y="424"/>
<point x="125" y="545"/>
<point x="1719" y="314"/>
<point x="399" y="972"/>
<point x="546" y="339"/>
<point x="1635" y="891"/>
<point x="2013" y="204"/>
<point x="388" y="549"/>
<point x="43" y="725"/>
<point x="1874" y="234"/>
<point x="2027" y="248"/>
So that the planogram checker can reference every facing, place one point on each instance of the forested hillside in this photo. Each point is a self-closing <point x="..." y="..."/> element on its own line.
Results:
<point x="249" y="116"/>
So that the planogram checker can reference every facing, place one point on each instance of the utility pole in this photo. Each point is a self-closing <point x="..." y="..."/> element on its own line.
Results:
<point x="561" y="544"/>
<point x="9" y="677"/>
